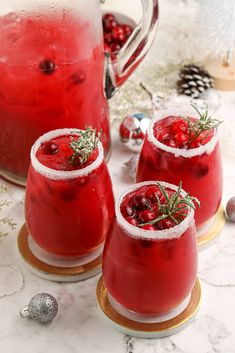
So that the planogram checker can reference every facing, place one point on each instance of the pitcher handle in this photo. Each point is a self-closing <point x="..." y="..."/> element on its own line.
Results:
<point x="119" y="66"/>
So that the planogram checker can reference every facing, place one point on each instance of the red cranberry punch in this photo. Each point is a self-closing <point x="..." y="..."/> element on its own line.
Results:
<point x="150" y="257"/>
<point x="69" y="200"/>
<point x="52" y="68"/>
<point x="184" y="146"/>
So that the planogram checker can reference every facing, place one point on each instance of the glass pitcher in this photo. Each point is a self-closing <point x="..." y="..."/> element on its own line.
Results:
<point x="52" y="68"/>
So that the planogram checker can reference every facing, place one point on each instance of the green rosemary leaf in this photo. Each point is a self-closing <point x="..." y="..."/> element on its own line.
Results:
<point x="84" y="146"/>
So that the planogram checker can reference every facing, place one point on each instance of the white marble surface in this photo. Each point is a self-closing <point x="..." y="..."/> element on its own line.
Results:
<point x="78" y="326"/>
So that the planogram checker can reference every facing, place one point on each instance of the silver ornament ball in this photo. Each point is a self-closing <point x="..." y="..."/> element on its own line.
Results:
<point x="230" y="209"/>
<point x="133" y="129"/>
<point x="43" y="308"/>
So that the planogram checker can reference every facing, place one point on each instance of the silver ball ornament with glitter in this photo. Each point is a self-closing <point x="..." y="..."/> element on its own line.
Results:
<point x="43" y="308"/>
<point x="133" y="129"/>
<point x="230" y="209"/>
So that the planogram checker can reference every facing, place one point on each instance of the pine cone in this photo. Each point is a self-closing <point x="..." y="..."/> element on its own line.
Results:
<point x="193" y="81"/>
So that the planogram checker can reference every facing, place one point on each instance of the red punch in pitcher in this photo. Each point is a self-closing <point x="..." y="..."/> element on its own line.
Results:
<point x="52" y="65"/>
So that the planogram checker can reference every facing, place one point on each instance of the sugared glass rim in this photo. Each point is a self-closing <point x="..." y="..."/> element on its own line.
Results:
<point x="61" y="174"/>
<point x="183" y="152"/>
<point x="136" y="232"/>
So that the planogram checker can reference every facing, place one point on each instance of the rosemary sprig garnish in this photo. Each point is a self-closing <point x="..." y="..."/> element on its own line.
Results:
<point x="84" y="146"/>
<point x="175" y="206"/>
<point x="205" y="123"/>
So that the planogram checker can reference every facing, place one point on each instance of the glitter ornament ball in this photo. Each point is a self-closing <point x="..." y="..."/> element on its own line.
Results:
<point x="43" y="308"/>
<point x="230" y="209"/>
<point x="132" y="131"/>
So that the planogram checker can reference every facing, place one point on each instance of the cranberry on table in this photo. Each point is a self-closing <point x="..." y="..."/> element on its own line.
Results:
<point x="230" y="209"/>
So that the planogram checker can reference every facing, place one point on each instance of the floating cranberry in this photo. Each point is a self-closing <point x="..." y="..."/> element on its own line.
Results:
<point x="147" y="243"/>
<point x="77" y="78"/>
<point x="147" y="215"/>
<point x="150" y="194"/>
<point x="127" y="211"/>
<point x="201" y="170"/>
<point x="132" y="221"/>
<point x="177" y="126"/>
<point x="50" y="148"/>
<point x="47" y="67"/>
<point x="139" y="203"/>
<point x="181" y="138"/>
<point x="165" y="224"/>
<point x="148" y="227"/>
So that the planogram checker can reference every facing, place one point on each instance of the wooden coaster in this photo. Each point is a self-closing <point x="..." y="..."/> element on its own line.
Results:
<point x="148" y="330"/>
<point x="223" y="75"/>
<point x="206" y="239"/>
<point x="55" y="273"/>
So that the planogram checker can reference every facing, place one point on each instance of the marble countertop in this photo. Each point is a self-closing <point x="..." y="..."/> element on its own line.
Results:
<point x="78" y="326"/>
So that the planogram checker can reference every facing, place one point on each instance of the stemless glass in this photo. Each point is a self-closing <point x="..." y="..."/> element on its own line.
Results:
<point x="68" y="212"/>
<point x="52" y="68"/>
<point x="149" y="274"/>
<point x="199" y="169"/>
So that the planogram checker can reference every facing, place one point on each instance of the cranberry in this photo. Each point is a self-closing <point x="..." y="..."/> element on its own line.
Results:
<point x="108" y="16"/>
<point x="147" y="243"/>
<point x="50" y="148"/>
<point x="107" y="48"/>
<point x="205" y="136"/>
<point x="132" y="221"/>
<point x="194" y="144"/>
<point x="127" y="211"/>
<point x="201" y="170"/>
<point x="118" y="34"/>
<point x="127" y="30"/>
<point x="108" y="38"/>
<point x="47" y="67"/>
<point x="139" y="203"/>
<point x="181" y="138"/>
<point x="147" y="215"/>
<point x="67" y="194"/>
<point x="230" y="209"/>
<point x="109" y="24"/>
<point x="151" y="193"/>
<point x="148" y="227"/>
<point x="115" y="47"/>
<point x="165" y="224"/>
<point x="78" y="78"/>
<point x="169" y="142"/>
<point x="179" y="125"/>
